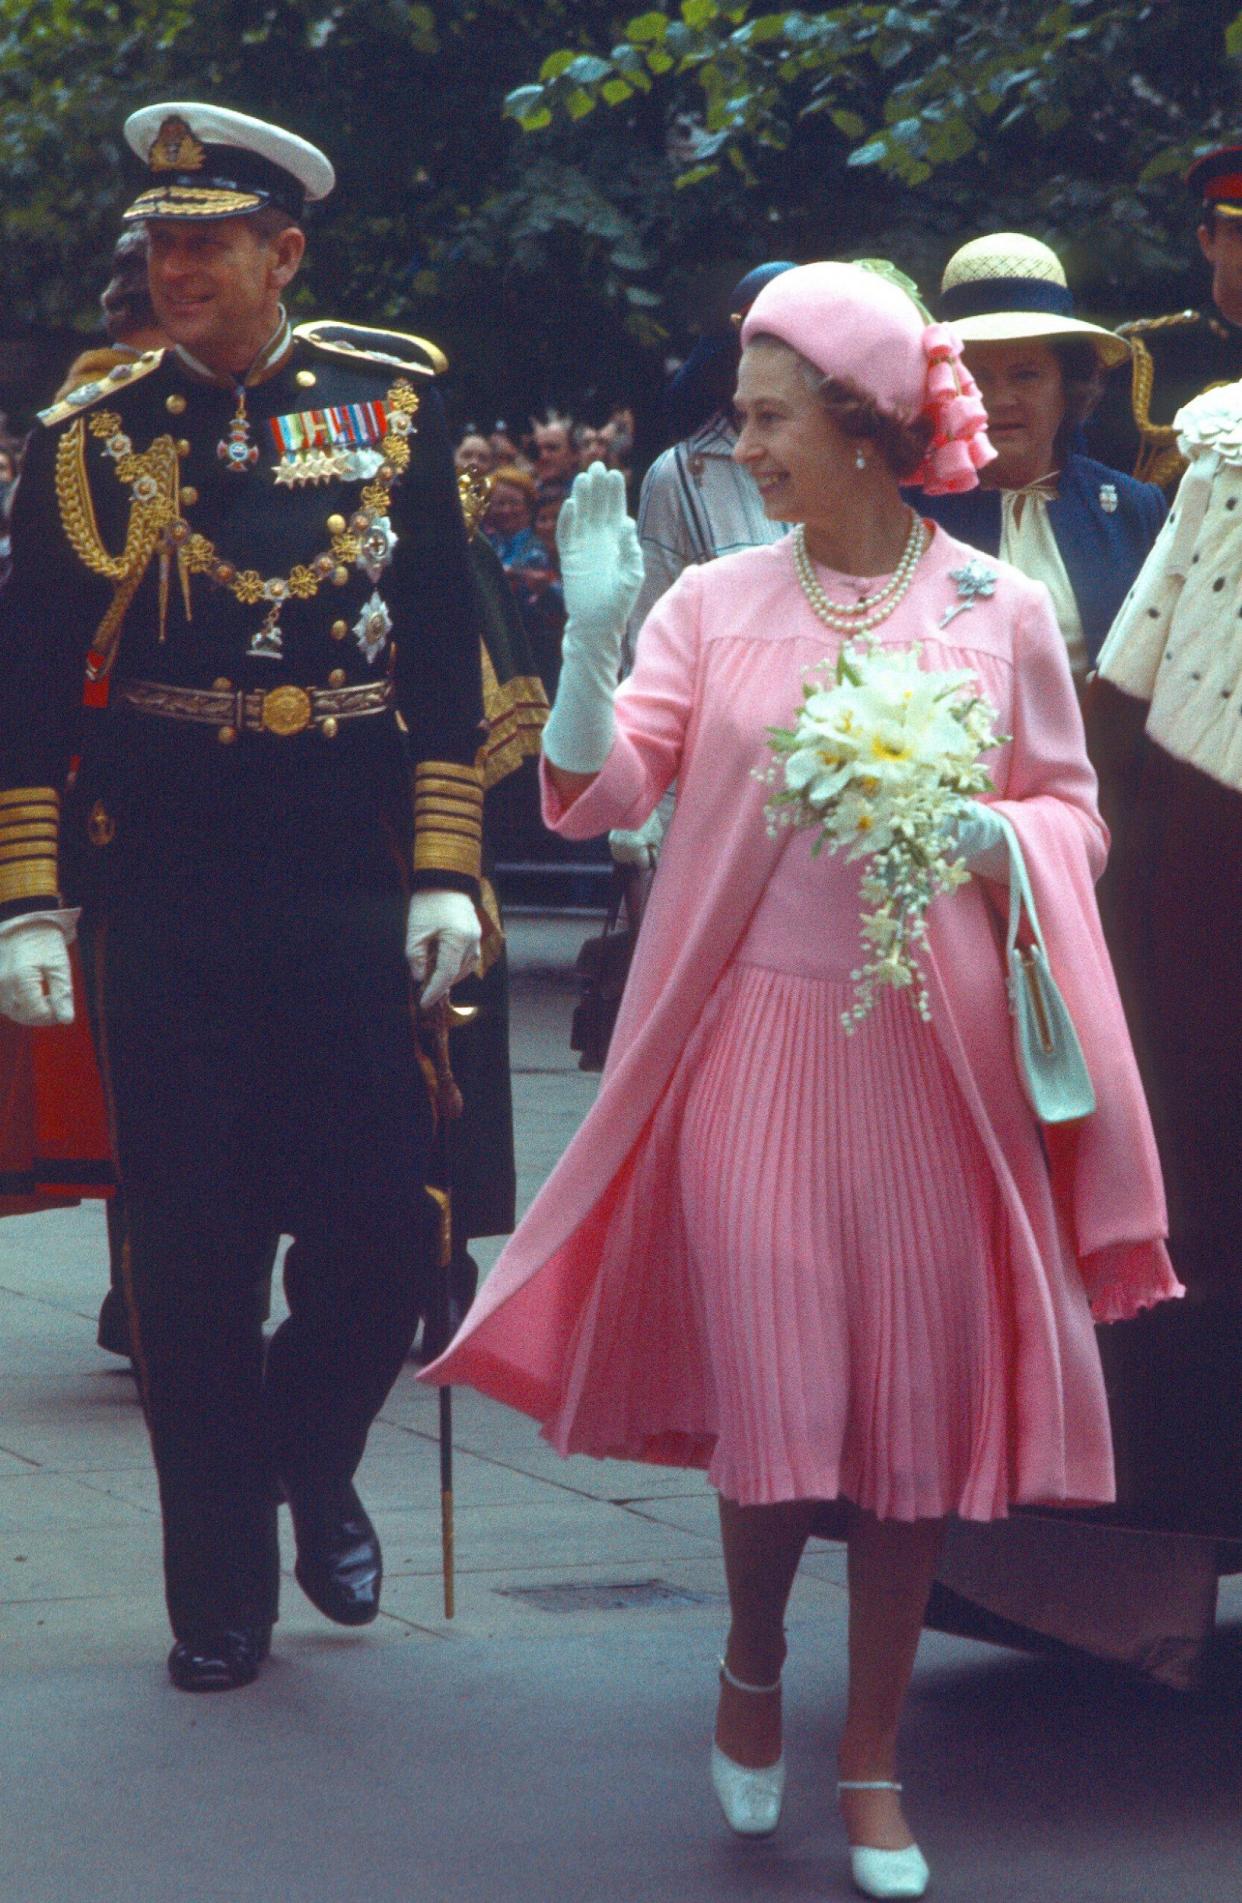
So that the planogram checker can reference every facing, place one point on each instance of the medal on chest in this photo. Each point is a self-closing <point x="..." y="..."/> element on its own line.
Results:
<point x="335" y="443"/>
<point x="236" y="451"/>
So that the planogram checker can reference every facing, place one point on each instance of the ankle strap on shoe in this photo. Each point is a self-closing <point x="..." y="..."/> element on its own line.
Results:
<point x="740" y="1685"/>
<point x="867" y="1784"/>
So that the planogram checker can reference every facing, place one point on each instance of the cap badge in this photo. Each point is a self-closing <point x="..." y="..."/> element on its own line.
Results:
<point x="176" y="149"/>
<point x="1108" y="497"/>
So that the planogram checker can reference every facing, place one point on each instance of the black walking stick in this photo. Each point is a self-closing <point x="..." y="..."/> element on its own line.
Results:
<point x="439" y="1021"/>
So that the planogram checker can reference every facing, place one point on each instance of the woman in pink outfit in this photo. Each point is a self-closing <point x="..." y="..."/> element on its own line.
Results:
<point x="827" y="1268"/>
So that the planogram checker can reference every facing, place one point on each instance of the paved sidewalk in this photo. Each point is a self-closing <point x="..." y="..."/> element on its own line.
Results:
<point x="550" y="1745"/>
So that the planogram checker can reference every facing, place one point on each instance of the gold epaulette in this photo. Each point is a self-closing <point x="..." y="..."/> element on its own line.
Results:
<point x="132" y="370"/>
<point x="448" y="818"/>
<point x="417" y="355"/>
<point x="29" y="832"/>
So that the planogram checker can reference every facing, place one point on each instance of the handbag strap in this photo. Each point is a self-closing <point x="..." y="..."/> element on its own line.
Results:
<point x="1021" y="898"/>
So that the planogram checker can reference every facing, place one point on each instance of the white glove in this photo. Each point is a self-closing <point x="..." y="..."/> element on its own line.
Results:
<point x="36" y="984"/>
<point x="601" y="573"/>
<point x="979" y="840"/>
<point x="443" y="939"/>
<point x="640" y="847"/>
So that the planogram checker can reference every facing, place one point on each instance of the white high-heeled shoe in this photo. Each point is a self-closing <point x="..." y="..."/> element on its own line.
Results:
<point x="750" y="1797"/>
<point x="885" y="1873"/>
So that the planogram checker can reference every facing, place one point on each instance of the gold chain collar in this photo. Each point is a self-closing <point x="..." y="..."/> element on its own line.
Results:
<point x="156" y="521"/>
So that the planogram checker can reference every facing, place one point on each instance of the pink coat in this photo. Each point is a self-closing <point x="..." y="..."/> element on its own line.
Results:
<point x="587" y="1322"/>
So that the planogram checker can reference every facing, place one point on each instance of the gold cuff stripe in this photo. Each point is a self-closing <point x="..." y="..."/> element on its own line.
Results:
<point x="451" y="788"/>
<point x="444" y="804"/>
<point x="446" y="770"/>
<point x="29" y="849"/>
<point x="438" y="823"/>
<point x="30" y="825"/>
<point x="438" y="830"/>
<point x="436" y="851"/>
<point x="30" y="828"/>
<point x="431" y="802"/>
<point x="30" y="796"/>
<point x="29" y="879"/>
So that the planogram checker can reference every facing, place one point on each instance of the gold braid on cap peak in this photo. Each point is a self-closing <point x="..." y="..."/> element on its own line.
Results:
<point x="29" y="834"/>
<point x="448" y="818"/>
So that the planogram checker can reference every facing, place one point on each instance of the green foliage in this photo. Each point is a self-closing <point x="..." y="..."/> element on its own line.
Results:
<point x="554" y="191"/>
<point x="1052" y="107"/>
<point x="406" y="99"/>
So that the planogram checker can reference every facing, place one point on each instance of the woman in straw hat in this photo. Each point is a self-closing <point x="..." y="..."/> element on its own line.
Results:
<point x="825" y="1268"/>
<point x="1085" y="530"/>
<point x="1079" y="527"/>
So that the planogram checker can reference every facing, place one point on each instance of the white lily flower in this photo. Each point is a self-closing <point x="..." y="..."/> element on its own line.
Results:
<point x="877" y="764"/>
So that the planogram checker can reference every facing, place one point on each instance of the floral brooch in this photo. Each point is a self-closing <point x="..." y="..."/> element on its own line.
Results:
<point x="974" y="582"/>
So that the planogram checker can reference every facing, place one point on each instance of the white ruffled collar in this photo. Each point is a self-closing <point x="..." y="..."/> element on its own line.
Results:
<point x="1212" y="423"/>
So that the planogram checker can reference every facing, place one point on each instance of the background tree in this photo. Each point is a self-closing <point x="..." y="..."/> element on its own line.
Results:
<point x="560" y="195"/>
<point x="909" y="128"/>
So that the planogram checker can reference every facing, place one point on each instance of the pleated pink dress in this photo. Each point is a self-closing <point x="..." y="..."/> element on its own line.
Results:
<point x="822" y="1265"/>
<point x="844" y="1232"/>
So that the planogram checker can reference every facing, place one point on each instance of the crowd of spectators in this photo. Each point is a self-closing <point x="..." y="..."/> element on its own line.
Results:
<point x="530" y="477"/>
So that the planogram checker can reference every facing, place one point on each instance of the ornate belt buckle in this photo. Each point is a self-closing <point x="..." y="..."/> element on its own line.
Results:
<point x="286" y="710"/>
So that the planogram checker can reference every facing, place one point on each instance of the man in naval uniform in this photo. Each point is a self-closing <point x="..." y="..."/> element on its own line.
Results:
<point x="1175" y="357"/>
<point x="241" y="715"/>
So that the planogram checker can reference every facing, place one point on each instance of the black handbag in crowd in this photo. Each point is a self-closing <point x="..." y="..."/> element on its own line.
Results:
<point x="603" y="965"/>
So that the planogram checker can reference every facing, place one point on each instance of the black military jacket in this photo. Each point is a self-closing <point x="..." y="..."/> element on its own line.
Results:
<point x="334" y="555"/>
<point x="1174" y="358"/>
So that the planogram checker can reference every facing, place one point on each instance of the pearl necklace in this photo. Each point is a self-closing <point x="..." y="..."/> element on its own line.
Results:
<point x="856" y="617"/>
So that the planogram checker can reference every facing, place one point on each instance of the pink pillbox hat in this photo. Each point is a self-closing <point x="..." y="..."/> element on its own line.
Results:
<point x="858" y="326"/>
<point x="849" y="323"/>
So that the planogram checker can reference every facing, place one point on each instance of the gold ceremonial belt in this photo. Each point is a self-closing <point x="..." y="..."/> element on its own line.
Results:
<point x="282" y="710"/>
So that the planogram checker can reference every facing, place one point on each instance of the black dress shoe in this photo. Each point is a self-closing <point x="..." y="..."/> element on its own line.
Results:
<point x="219" y="1661"/>
<point x="339" y="1564"/>
<point x="113" y="1331"/>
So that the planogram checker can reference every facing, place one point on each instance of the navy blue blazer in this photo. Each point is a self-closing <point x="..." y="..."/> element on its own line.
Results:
<point x="1102" y="549"/>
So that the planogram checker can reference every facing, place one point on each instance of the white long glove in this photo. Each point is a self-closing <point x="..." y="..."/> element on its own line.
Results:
<point x="443" y="939"/>
<point x="36" y="984"/>
<point x="601" y="572"/>
<point x="979" y="840"/>
<point x="639" y="846"/>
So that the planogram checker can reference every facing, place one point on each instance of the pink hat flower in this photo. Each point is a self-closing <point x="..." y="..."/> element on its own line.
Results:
<point x="858" y="324"/>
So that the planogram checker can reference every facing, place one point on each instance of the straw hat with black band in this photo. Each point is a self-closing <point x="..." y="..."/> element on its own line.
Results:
<point x="1078" y="525"/>
<point x="1008" y="287"/>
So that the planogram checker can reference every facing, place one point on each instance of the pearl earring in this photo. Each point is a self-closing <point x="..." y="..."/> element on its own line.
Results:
<point x="860" y="461"/>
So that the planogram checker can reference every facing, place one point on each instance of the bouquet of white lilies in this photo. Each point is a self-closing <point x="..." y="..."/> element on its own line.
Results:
<point x="881" y="764"/>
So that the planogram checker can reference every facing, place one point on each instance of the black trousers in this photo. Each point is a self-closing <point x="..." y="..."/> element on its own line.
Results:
<point x="260" y="1051"/>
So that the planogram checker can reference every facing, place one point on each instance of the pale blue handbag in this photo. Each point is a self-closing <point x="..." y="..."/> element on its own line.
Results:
<point x="1051" y="1067"/>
